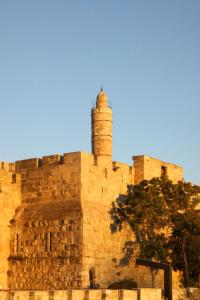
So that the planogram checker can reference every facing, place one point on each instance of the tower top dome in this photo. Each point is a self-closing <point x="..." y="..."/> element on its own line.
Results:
<point x="102" y="99"/>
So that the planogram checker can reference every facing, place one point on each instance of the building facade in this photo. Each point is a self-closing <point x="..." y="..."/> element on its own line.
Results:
<point x="54" y="214"/>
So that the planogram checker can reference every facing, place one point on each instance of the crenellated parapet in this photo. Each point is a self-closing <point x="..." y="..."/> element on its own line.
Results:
<point x="9" y="167"/>
<point x="8" y="174"/>
<point x="50" y="178"/>
<point x="147" y="167"/>
<point x="44" y="162"/>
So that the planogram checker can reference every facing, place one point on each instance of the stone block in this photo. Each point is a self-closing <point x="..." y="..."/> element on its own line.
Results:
<point x="128" y="295"/>
<point x="150" y="294"/>
<point x="41" y="295"/>
<point x="4" y="295"/>
<point x="77" y="295"/>
<point x="94" y="294"/>
<point x="111" y="294"/>
<point x="21" y="295"/>
<point x="60" y="295"/>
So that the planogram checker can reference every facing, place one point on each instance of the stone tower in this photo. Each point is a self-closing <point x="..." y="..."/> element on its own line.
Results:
<point x="102" y="127"/>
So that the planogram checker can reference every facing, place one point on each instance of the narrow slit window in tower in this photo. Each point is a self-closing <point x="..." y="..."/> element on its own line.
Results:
<point x="163" y="171"/>
<point x="92" y="278"/>
<point x="14" y="177"/>
<point x="48" y="241"/>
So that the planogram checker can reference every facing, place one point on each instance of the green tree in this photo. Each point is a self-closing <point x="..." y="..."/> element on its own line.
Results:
<point x="153" y="210"/>
<point x="185" y="246"/>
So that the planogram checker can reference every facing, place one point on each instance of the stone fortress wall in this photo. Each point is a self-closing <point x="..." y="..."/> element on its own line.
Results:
<point x="55" y="215"/>
<point x="66" y="202"/>
<point x="102" y="182"/>
<point x="10" y="198"/>
<point x="46" y="232"/>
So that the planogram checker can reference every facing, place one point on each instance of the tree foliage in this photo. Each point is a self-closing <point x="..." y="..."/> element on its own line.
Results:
<point x="163" y="218"/>
<point x="185" y="245"/>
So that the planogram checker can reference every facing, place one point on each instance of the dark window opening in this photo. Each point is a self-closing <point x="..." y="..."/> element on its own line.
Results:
<point x="92" y="277"/>
<point x="163" y="171"/>
<point x="106" y="173"/>
<point x="48" y="241"/>
<point x="14" y="178"/>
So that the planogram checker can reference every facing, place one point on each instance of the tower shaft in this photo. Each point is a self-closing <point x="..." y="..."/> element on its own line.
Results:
<point x="102" y="127"/>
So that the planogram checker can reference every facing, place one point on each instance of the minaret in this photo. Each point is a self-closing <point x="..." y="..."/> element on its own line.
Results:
<point x="102" y="127"/>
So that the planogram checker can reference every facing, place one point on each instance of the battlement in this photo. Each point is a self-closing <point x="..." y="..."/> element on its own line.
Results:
<point x="116" y="166"/>
<point x="66" y="158"/>
<point x="147" y="167"/>
<point x="9" y="167"/>
<point x="8" y="174"/>
<point x="54" y="177"/>
<point x="45" y="161"/>
<point x="144" y="167"/>
<point x="52" y="159"/>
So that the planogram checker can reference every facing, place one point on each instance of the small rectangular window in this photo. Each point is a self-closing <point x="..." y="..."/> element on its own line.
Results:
<point x="14" y="177"/>
<point x="163" y="171"/>
<point x="48" y="241"/>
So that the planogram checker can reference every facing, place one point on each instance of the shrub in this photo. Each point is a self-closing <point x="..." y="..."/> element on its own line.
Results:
<point x="126" y="284"/>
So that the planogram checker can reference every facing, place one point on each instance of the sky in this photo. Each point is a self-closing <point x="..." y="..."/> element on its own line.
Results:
<point x="55" y="55"/>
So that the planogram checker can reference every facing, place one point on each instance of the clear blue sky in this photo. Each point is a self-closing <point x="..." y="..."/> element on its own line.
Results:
<point x="55" y="55"/>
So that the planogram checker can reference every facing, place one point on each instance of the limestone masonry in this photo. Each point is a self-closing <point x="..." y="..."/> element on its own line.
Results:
<point x="54" y="215"/>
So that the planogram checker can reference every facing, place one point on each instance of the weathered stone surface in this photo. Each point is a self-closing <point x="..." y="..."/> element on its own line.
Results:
<point x="10" y="197"/>
<point x="150" y="294"/>
<point x="128" y="295"/>
<point x="147" y="167"/>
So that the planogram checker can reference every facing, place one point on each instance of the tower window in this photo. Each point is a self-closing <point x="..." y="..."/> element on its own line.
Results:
<point x="163" y="171"/>
<point x="48" y="241"/>
<point x="14" y="177"/>
<point x="106" y="172"/>
<point x="92" y="277"/>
